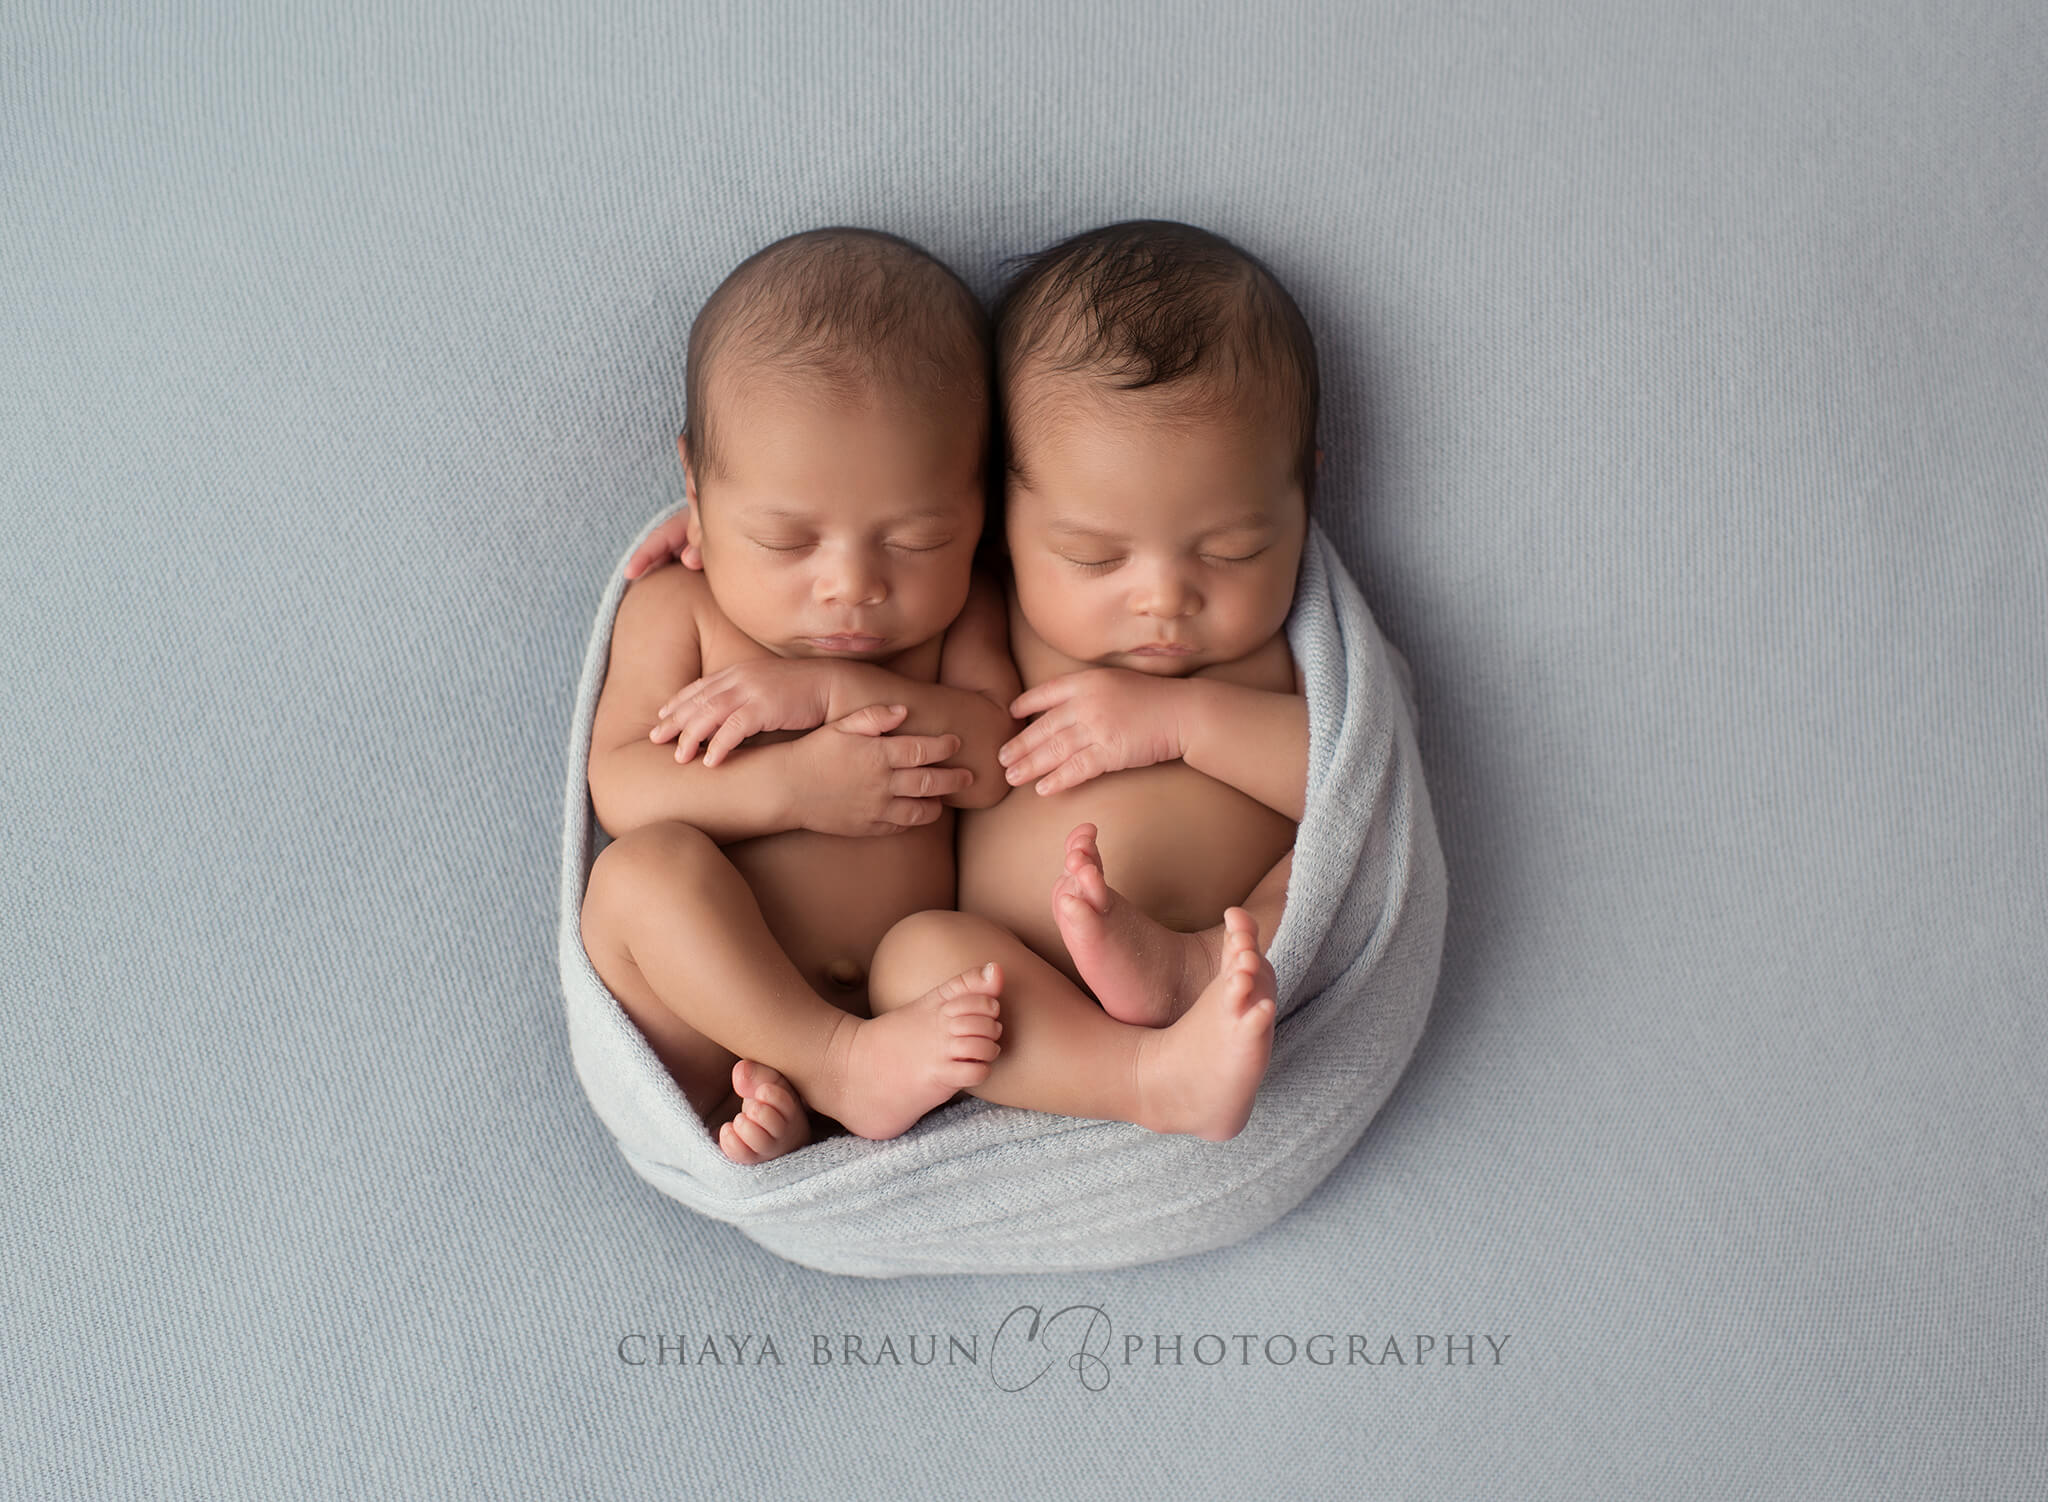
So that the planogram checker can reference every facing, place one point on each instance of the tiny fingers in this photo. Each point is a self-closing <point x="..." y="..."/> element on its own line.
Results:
<point x="906" y="812"/>
<point x="921" y="750"/>
<point x="1045" y="746"/>
<point x="1081" y="767"/>
<point x="728" y="736"/>
<point x="930" y="782"/>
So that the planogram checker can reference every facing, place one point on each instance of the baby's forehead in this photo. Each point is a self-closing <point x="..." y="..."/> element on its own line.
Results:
<point x="1077" y="425"/>
<point x="1050" y="400"/>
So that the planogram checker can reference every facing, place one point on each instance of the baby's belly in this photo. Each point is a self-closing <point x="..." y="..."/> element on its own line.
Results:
<point x="828" y="899"/>
<point x="1178" y="843"/>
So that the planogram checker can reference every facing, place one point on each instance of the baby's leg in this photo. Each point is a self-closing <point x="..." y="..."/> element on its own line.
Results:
<point x="675" y="933"/>
<point x="1061" y="1053"/>
<point x="1140" y="970"/>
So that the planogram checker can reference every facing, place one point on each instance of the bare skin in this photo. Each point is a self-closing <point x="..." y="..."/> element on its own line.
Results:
<point x="1063" y="1054"/>
<point x="769" y="1119"/>
<point x="1141" y="971"/>
<point x="1194" y="763"/>
<point x="1169" y="727"/>
<point x="676" y="935"/>
<point x="736" y="911"/>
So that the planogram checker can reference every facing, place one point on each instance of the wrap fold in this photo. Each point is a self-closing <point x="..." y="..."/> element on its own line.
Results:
<point x="981" y="1188"/>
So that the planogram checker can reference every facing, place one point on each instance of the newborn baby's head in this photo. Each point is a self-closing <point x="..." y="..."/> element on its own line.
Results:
<point x="835" y="444"/>
<point x="1158" y="394"/>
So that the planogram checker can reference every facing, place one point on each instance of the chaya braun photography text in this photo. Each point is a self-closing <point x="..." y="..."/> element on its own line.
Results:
<point x="1029" y="1346"/>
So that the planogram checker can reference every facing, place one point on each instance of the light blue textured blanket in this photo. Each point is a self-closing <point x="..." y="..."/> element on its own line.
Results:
<point x="976" y="1187"/>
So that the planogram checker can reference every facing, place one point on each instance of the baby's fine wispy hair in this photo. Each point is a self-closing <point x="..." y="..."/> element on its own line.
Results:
<point x="854" y="312"/>
<point x="1154" y="305"/>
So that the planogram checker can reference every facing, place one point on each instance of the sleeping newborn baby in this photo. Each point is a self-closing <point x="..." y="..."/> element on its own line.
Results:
<point x="835" y="458"/>
<point x="1158" y="391"/>
<point x="1159" y="396"/>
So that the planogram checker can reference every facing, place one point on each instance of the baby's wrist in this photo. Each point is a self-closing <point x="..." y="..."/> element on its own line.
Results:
<point x="1194" y="714"/>
<point x="843" y="690"/>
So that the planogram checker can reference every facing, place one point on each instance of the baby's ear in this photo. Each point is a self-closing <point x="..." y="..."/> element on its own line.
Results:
<point x="691" y="553"/>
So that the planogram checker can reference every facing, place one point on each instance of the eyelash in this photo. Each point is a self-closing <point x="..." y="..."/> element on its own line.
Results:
<point x="800" y="546"/>
<point x="1113" y="562"/>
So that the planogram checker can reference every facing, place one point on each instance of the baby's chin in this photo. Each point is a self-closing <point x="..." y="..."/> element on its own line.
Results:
<point x="1156" y="666"/>
<point x="811" y="652"/>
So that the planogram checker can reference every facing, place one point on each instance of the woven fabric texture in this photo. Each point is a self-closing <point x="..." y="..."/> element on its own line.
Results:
<point x="1685" y="424"/>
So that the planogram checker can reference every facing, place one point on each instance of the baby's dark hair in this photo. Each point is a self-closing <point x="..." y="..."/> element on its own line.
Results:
<point x="854" y="310"/>
<point x="1154" y="304"/>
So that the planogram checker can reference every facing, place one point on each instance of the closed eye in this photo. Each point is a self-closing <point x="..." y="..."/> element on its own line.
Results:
<point x="1224" y="558"/>
<point x="904" y="547"/>
<point x="793" y="547"/>
<point x="1098" y="565"/>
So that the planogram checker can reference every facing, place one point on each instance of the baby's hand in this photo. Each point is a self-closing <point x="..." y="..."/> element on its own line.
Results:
<point x="854" y="778"/>
<point x="770" y="693"/>
<point x="669" y="540"/>
<point x="1094" y="721"/>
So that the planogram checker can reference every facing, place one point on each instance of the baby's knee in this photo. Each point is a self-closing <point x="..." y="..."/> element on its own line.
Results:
<point x="927" y="948"/>
<point x="652" y="858"/>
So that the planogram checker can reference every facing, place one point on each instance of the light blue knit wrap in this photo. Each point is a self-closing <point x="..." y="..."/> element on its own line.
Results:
<point x="981" y="1188"/>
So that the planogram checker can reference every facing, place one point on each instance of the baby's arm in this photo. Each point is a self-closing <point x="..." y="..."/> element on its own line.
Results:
<point x="1111" y="719"/>
<point x="1251" y="738"/>
<point x="848" y="777"/>
<point x="634" y="782"/>
<point x="976" y="680"/>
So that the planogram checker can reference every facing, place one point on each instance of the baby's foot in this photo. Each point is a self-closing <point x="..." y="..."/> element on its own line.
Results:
<point x="1140" y="970"/>
<point x="881" y="1074"/>
<point x="771" y="1120"/>
<point x="1201" y="1075"/>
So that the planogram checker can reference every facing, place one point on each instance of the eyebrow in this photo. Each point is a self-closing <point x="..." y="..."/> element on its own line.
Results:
<point x="784" y="514"/>
<point x="1250" y="521"/>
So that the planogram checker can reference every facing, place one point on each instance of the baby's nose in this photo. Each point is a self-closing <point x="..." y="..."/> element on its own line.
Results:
<point x="1165" y="594"/>
<point x="852" y="581"/>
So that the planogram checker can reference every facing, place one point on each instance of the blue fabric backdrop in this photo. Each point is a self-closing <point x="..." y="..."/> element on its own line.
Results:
<point x="1687" y="425"/>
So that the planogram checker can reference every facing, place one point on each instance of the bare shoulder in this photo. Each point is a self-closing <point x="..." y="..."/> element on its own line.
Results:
<point x="657" y="648"/>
